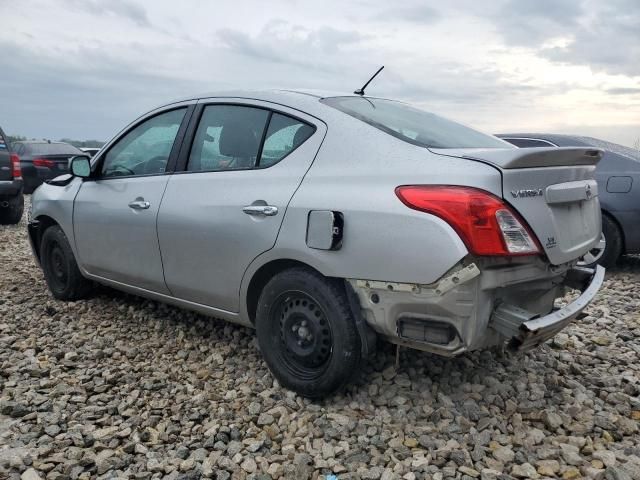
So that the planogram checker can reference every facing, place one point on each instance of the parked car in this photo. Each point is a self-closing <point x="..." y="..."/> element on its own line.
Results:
<point x="91" y="151"/>
<point x="618" y="177"/>
<point x="11" y="199"/>
<point x="43" y="160"/>
<point x="325" y="222"/>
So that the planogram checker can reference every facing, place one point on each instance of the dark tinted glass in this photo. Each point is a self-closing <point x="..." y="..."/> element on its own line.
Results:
<point x="228" y="138"/>
<point x="413" y="125"/>
<point x="527" y="142"/>
<point x="284" y="135"/>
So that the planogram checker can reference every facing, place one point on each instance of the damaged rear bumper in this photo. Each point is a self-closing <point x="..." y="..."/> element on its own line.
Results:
<point x="527" y="330"/>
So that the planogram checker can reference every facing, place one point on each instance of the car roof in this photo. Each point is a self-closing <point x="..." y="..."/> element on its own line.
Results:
<point x="303" y="99"/>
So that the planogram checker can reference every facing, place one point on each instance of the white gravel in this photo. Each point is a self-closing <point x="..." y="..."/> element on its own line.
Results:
<point x="121" y="387"/>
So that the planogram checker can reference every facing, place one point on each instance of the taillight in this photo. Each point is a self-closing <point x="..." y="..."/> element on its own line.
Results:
<point x="15" y="166"/>
<point x="486" y="224"/>
<point x="44" y="162"/>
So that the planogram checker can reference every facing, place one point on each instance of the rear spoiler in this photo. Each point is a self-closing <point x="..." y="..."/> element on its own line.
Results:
<point x="526" y="157"/>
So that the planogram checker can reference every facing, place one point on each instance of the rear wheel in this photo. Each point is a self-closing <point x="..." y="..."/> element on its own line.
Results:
<point x="608" y="250"/>
<point x="11" y="214"/>
<point x="307" y="332"/>
<point x="60" y="268"/>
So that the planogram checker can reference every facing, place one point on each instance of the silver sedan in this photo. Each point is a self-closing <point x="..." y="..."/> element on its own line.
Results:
<point x="327" y="222"/>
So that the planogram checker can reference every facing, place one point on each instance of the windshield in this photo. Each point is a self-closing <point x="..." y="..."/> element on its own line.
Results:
<point x="413" y="125"/>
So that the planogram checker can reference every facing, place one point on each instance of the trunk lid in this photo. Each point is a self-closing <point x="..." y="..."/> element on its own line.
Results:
<point x="553" y="189"/>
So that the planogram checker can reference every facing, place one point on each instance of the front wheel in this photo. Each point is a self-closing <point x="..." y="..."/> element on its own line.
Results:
<point x="60" y="268"/>
<point x="12" y="213"/>
<point x="307" y="332"/>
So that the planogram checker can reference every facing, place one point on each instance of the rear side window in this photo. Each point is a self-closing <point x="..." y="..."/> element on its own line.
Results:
<point x="413" y="125"/>
<point x="284" y="135"/>
<point x="228" y="138"/>
<point x="235" y="137"/>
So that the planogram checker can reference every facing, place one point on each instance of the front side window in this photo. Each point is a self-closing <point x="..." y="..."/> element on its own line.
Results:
<point x="145" y="150"/>
<point x="413" y="125"/>
<point x="228" y="138"/>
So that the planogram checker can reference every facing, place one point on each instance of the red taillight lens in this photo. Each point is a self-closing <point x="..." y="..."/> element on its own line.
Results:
<point x="44" y="162"/>
<point x="15" y="166"/>
<point x="485" y="223"/>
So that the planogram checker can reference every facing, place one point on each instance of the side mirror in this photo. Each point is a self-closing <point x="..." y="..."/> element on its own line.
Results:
<point x="80" y="166"/>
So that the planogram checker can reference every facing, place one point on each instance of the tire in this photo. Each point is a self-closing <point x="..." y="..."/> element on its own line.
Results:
<point x="60" y="268"/>
<point x="13" y="213"/>
<point x="612" y="237"/>
<point x="307" y="332"/>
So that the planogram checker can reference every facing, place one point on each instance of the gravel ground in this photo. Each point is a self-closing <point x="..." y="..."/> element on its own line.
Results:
<point x="117" y="386"/>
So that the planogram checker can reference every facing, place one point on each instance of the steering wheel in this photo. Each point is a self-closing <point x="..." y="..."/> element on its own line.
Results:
<point x="119" y="170"/>
<point x="156" y="164"/>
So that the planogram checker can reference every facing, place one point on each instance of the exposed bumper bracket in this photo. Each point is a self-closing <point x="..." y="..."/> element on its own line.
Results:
<point x="527" y="330"/>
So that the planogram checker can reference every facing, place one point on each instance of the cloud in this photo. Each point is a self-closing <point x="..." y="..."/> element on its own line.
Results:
<point x="282" y="42"/>
<point x="624" y="91"/>
<point x="603" y="35"/>
<point x="117" y="8"/>
<point x="419" y="14"/>
<point x="498" y="65"/>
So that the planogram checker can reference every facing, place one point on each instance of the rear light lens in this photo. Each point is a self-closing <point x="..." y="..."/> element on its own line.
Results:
<point x="44" y="162"/>
<point x="15" y="166"/>
<point x="485" y="223"/>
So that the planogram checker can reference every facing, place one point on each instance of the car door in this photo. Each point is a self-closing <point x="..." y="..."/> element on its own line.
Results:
<point x="115" y="211"/>
<point x="245" y="162"/>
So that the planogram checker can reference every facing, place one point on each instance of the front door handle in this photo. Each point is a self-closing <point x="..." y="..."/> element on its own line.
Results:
<point x="261" y="210"/>
<point x="139" y="204"/>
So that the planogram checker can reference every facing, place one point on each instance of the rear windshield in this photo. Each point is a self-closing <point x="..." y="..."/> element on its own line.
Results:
<point x="413" y="125"/>
<point x="52" y="149"/>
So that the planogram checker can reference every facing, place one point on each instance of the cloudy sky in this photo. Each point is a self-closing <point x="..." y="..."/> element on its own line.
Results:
<point x="85" y="68"/>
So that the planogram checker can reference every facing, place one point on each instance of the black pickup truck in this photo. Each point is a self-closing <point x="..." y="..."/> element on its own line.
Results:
<point x="11" y="186"/>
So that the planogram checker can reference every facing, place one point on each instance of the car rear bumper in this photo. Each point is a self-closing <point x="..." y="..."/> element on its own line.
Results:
<point x="538" y="329"/>
<point x="478" y="306"/>
<point x="10" y="187"/>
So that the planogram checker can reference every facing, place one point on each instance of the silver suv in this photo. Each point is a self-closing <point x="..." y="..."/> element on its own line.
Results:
<point x="326" y="222"/>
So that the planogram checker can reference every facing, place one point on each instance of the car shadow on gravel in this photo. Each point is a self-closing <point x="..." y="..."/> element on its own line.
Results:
<point x="627" y="263"/>
<point x="416" y="371"/>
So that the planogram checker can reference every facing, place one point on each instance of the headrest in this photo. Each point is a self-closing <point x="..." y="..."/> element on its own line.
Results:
<point x="301" y="135"/>
<point x="238" y="140"/>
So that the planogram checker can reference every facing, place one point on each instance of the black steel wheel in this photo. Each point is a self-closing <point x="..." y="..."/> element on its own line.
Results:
<point x="60" y="268"/>
<point x="307" y="332"/>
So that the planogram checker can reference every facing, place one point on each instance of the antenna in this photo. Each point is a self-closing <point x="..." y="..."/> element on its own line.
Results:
<point x="360" y="91"/>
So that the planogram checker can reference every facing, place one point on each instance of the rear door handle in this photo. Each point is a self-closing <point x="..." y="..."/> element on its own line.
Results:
<point x="261" y="210"/>
<point x="139" y="204"/>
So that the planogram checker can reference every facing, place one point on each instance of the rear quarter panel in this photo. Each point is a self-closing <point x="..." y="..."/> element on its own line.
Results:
<point x="356" y="173"/>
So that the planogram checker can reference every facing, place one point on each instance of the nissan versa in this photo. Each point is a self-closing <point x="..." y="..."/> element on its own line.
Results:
<point x="325" y="222"/>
